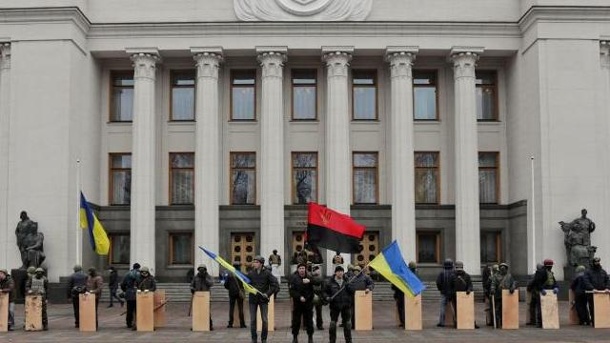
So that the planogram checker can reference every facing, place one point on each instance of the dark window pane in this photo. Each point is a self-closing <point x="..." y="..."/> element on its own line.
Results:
<point x="427" y="248"/>
<point x="120" y="179"/>
<point x="181" y="248"/>
<point x="182" y="171"/>
<point x="243" y="178"/>
<point x="122" y="104"/>
<point x="119" y="248"/>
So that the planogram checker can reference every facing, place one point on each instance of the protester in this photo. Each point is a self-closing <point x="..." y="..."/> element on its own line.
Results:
<point x="302" y="294"/>
<point x="339" y="295"/>
<point x="266" y="284"/>
<point x="202" y="282"/>
<point x="7" y="285"/>
<point x="76" y="286"/>
<point x="113" y="286"/>
<point x="236" y="296"/>
<point x="129" y="286"/>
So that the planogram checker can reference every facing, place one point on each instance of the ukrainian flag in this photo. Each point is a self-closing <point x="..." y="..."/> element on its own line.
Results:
<point x="392" y="266"/>
<point x="97" y="235"/>
<point x="241" y="277"/>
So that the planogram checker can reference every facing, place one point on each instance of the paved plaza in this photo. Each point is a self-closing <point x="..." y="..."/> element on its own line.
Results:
<point x="112" y="328"/>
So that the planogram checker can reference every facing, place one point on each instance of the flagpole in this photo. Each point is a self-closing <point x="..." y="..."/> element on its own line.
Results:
<point x="79" y="257"/>
<point x="533" y="199"/>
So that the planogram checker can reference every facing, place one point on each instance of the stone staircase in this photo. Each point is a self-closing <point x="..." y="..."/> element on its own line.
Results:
<point x="180" y="292"/>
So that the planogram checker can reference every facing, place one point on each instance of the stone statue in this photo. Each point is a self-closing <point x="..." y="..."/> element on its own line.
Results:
<point x="30" y="242"/>
<point x="577" y="240"/>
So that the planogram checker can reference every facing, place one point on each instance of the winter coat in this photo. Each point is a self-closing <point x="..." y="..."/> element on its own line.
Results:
<point x="263" y="281"/>
<point x="201" y="282"/>
<point x="299" y="289"/>
<point x="343" y="294"/>
<point x="596" y="279"/>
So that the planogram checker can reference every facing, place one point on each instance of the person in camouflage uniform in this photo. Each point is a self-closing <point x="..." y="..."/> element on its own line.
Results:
<point x="39" y="285"/>
<point x="7" y="285"/>
<point x="544" y="280"/>
<point x="202" y="282"/>
<point x="499" y="281"/>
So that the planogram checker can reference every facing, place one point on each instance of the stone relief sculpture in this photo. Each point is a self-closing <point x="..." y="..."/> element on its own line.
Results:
<point x="30" y="242"/>
<point x="301" y="10"/>
<point x="577" y="240"/>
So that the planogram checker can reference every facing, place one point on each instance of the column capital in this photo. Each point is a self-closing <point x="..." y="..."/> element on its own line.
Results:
<point x="464" y="60"/>
<point x="604" y="53"/>
<point x="272" y="59"/>
<point x="337" y="59"/>
<point x="144" y="61"/>
<point x="5" y="55"/>
<point x="401" y="60"/>
<point x="208" y="61"/>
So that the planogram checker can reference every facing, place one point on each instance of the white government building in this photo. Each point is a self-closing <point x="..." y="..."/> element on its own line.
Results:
<point x="463" y="129"/>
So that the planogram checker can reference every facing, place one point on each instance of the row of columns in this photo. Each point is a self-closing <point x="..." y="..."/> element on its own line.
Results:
<point x="5" y="106"/>
<point x="338" y="161"/>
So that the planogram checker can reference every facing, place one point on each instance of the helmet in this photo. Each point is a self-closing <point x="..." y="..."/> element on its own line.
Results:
<point x="448" y="263"/>
<point x="259" y="258"/>
<point x="459" y="265"/>
<point x="548" y="262"/>
<point x="77" y="268"/>
<point x="92" y="270"/>
<point x="136" y="265"/>
<point x="412" y="265"/>
<point x="202" y="266"/>
<point x="597" y="259"/>
<point x="144" y="270"/>
<point x="3" y="271"/>
<point x="357" y="268"/>
<point x="580" y="269"/>
<point x="39" y="270"/>
<point x="503" y="264"/>
<point x="31" y="270"/>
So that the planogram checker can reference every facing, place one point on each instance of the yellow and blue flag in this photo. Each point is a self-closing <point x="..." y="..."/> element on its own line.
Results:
<point x="392" y="266"/>
<point x="97" y="235"/>
<point x="241" y="277"/>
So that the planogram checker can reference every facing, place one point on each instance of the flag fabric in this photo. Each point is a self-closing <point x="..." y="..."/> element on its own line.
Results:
<point x="392" y="266"/>
<point x="333" y="230"/>
<point x="97" y="235"/>
<point x="239" y="275"/>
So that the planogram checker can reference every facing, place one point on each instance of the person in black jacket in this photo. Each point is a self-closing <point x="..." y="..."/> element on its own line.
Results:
<point x="267" y="285"/>
<point x="580" y="296"/>
<point x="544" y="280"/>
<point x="129" y="286"/>
<point x="596" y="280"/>
<point x="443" y="285"/>
<point x="339" y="295"/>
<point x="113" y="286"/>
<point x="202" y="282"/>
<point x="236" y="296"/>
<point x="301" y="292"/>
<point x="460" y="282"/>
<point x="318" y="291"/>
<point x="76" y="286"/>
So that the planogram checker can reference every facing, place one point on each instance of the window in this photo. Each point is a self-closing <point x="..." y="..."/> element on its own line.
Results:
<point x="487" y="89"/>
<point x="428" y="247"/>
<point x="181" y="178"/>
<point x="121" y="102"/>
<point x="365" y="177"/>
<point x="304" y="177"/>
<point x="243" y="95"/>
<point x="425" y="96"/>
<point x="304" y="99"/>
<point x="181" y="248"/>
<point x="364" y="96"/>
<point x="243" y="178"/>
<point x="491" y="251"/>
<point x="183" y="95"/>
<point x="488" y="177"/>
<point x="119" y="248"/>
<point x="120" y="179"/>
<point x="427" y="178"/>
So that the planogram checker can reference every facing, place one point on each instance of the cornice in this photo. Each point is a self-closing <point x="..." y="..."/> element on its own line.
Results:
<point x="563" y="14"/>
<point x="46" y="15"/>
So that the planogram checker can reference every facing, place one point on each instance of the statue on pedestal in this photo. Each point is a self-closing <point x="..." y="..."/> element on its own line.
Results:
<point x="577" y="240"/>
<point x="30" y="242"/>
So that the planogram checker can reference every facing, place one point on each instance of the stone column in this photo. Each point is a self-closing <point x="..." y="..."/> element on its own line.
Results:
<point x="5" y="108"/>
<point x="143" y="162"/>
<point x="338" y="160"/>
<point x="402" y="156"/>
<point x="272" y="166"/>
<point x="207" y="156"/>
<point x="467" y="226"/>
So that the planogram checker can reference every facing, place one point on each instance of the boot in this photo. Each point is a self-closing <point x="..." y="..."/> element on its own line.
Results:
<point x="332" y="332"/>
<point x="295" y="339"/>
<point x="310" y="339"/>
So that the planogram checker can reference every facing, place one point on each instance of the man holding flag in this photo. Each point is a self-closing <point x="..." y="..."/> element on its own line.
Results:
<point x="266" y="285"/>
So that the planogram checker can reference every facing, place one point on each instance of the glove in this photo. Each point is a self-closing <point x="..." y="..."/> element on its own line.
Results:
<point x="555" y="290"/>
<point x="468" y="292"/>
<point x="511" y="290"/>
<point x="543" y="292"/>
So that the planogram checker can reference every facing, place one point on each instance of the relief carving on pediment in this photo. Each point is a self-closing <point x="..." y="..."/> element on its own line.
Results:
<point x="302" y="10"/>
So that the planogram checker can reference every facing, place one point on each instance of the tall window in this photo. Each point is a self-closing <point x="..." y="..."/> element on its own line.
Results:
<point x="488" y="177"/>
<point x="121" y="102"/>
<point x="365" y="177"/>
<point x="243" y="178"/>
<point x="304" y="100"/>
<point x="364" y="94"/>
<point x="120" y="179"/>
<point x="424" y="95"/>
<point x="491" y="247"/>
<point x="487" y="95"/>
<point x="428" y="247"/>
<point x="243" y="95"/>
<point x="119" y="248"/>
<point x="181" y="178"/>
<point x="304" y="177"/>
<point x="427" y="178"/>
<point x="181" y="248"/>
<point x="183" y="95"/>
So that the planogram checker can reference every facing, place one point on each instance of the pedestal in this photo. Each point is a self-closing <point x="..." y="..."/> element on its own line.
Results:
<point x="550" y="313"/>
<point x="33" y="313"/>
<point x="413" y="314"/>
<point x="510" y="309"/>
<point x="145" y="320"/>
<point x="601" y="302"/>
<point x="159" y="312"/>
<point x="86" y="304"/>
<point x="4" y="312"/>
<point x="270" y="316"/>
<point x="465" y="310"/>
<point x="363" y="309"/>
<point x="201" y="311"/>
<point x="20" y="277"/>
<point x="573" y="314"/>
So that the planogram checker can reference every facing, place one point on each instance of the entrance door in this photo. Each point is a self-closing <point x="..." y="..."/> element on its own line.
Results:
<point x="242" y="249"/>
<point x="369" y="248"/>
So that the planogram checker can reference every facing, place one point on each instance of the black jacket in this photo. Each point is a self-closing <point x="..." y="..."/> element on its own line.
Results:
<point x="342" y="296"/>
<point x="543" y="279"/>
<point x="113" y="280"/>
<point x="234" y="286"/>
<point x="76" y="284"/>
<point x="201" y="282"/>
<point x="263" y="281"/>
<point x="443" y="281"/>
<point x="299" y="289"/>
<point x="596" y="279"/>
<point x="361" y="281"/>
<point x="578" y="284"/>
<point x="460" y="282"/>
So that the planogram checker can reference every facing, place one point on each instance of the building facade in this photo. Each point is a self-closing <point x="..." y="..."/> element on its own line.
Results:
<point x="463" y="130"/>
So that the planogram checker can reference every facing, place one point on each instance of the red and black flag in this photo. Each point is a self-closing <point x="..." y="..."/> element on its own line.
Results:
<point x="333" y="230"/>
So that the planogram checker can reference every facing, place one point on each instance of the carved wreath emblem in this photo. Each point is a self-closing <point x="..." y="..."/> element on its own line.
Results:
<point x="303" y="7"/>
